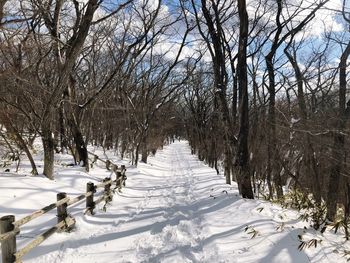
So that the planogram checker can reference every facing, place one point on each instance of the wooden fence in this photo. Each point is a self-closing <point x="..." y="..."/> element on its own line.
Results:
<point x="10" y="228"/>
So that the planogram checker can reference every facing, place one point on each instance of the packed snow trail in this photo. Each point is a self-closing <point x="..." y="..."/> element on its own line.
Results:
<point x="156" y="218"/>
<point x="174" y="209"/>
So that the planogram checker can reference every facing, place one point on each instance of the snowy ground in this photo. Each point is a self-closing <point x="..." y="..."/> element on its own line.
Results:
<point x="174" y="209"/>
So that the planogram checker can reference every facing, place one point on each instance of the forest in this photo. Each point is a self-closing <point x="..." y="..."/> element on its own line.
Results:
<point x="257" y="87"/>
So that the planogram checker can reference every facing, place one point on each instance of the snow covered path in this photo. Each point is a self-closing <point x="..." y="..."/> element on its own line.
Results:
<point x="174" y="209"/>
<point x="157" y="218"/>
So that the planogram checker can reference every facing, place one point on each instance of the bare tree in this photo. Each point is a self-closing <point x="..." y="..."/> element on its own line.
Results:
<point x="338" y="152"/>
<point x="244" y="178"/>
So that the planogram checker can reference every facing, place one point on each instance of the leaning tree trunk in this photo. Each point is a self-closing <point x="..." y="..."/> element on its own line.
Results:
<point x="21" y="144"/>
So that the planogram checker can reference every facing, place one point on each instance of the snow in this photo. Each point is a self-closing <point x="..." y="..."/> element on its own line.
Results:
<point x="293" y="120"/>
<point x="173" y="209"/>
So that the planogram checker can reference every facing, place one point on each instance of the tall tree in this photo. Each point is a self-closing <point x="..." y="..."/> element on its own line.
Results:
<point x="280" y="36"/>
<point x="244" y="178"/>
<point x="214" y="39"/>
<point x="338" y="150"/>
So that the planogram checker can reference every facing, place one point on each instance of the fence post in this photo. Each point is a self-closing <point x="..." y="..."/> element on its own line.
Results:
<point x="95" y="159"/>
<point x="107" y="193"/>
<point x="115" y="170"/>
<point x="119" y="179"/>
<point x="90" y="204"/>
<point x="8" y="246"/>
<point x="108" y="164"/>
<point x="61" y="209"/>
<point x="123" y="174"/>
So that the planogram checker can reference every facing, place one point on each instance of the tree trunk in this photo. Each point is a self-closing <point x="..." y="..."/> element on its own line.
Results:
<point x="74" y="118"/>
<point x="272" y="171"/>
<point x="137" y="150"/>
<point x="109" y="138"/>
<point x="334" y="180"/>
<point x="81" y="148"/>
<point x="80" y="145"/>
<point x="49" y="150"/>
<point x="63" y="140"/>
<point x="144" y="155"/>
<point x="227" y="164"/>
<point x="144" y="151"/>
<point x="244" y="178"/>
<point x="21" y="144"/>
<point x="2" y="4"/>
<point x="338" y="150"/>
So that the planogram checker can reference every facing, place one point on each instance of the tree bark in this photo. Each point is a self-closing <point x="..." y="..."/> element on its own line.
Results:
<point x="2" y="5"/>
<point x="244" y="178"/>
<point x="272" y="174"/>
<point x="49" y="149"/>
<point x="338" y="150"/>
<point x="62" y="130"/>
<point x="80" y="145"/>
<point x="144" y="151"/>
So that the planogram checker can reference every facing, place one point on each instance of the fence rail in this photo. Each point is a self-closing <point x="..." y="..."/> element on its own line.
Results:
<point x="9" y="228"/>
